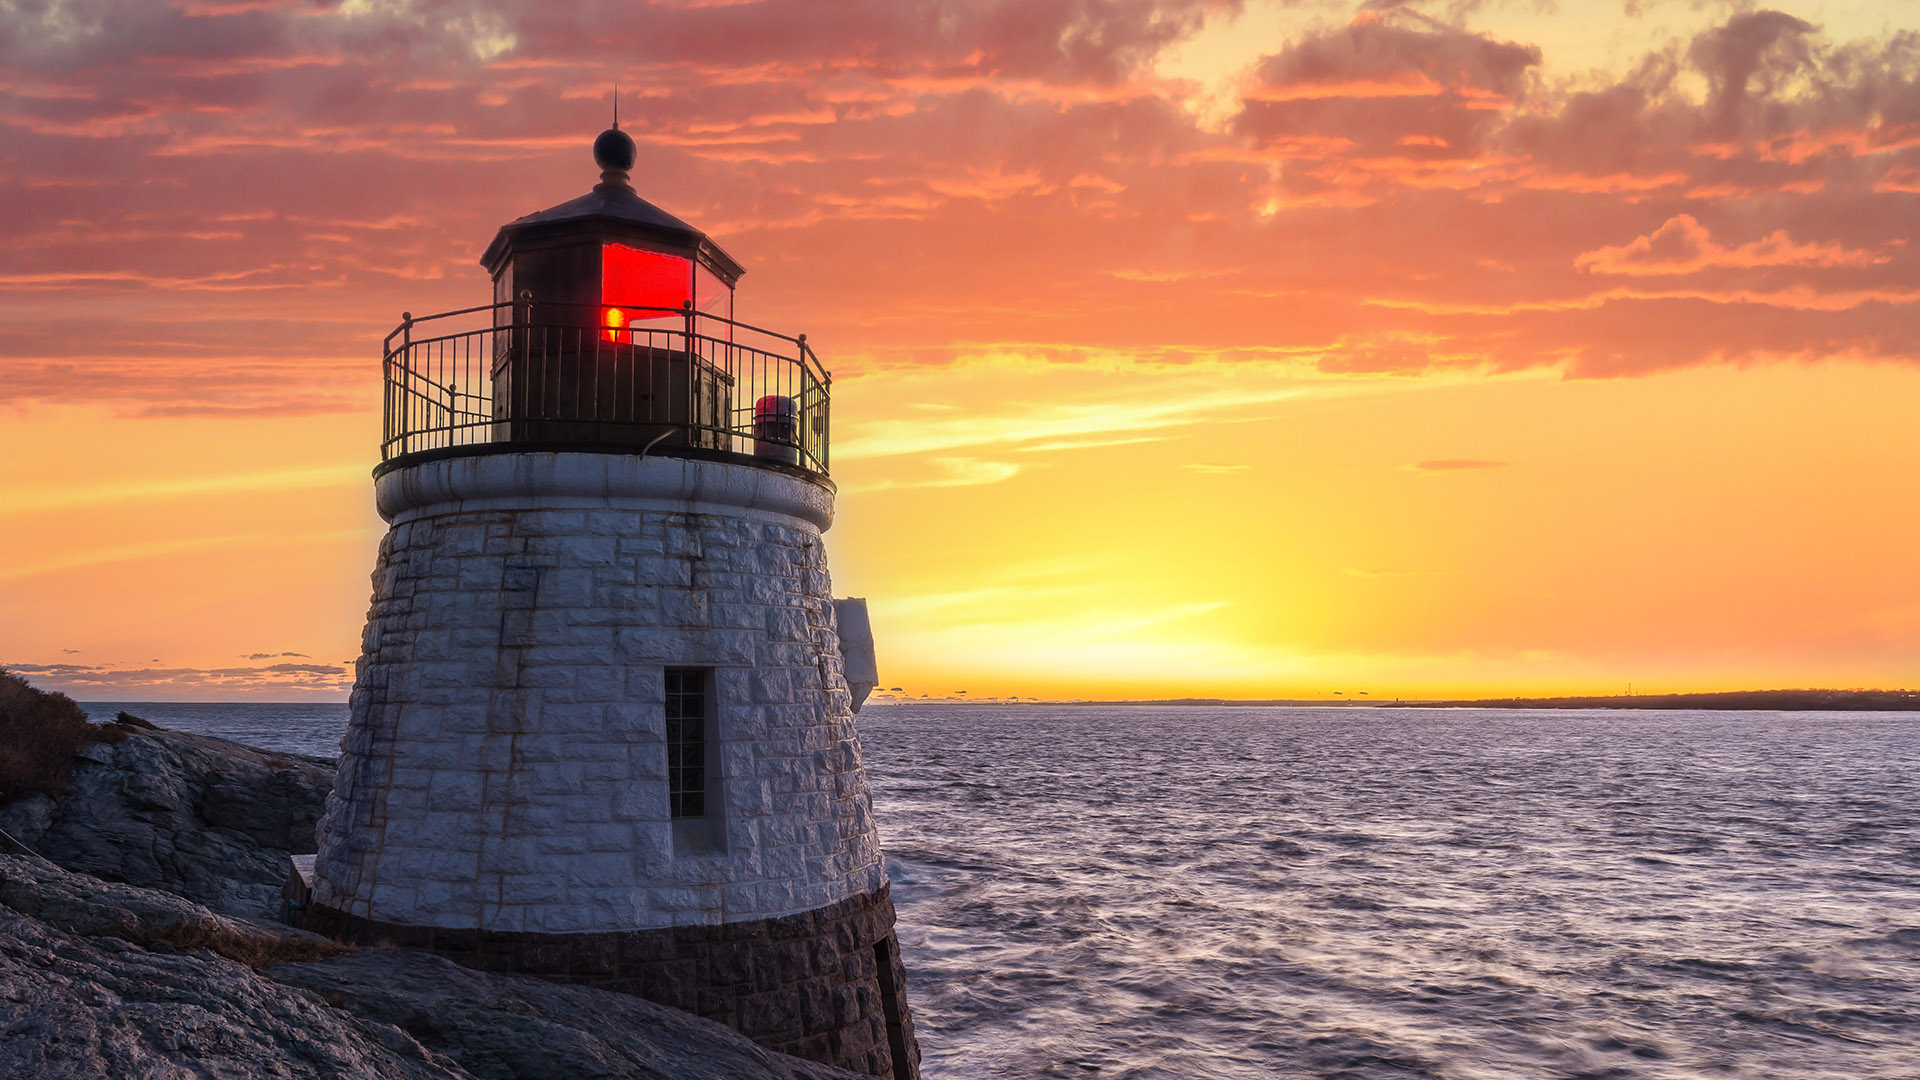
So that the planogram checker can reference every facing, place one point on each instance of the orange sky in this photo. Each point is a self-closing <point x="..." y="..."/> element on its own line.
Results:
<point x="1181" y="348"/>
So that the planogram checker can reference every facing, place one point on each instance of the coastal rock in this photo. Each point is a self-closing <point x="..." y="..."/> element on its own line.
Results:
<point x="100" y="979"/>
<point x="205" y="818"/>
<point x="511" y="1028"/>
<point x="85" y="905"/>
<point x="86" y="1008"/>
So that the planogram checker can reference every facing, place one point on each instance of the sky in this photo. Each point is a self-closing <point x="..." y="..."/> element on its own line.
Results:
<point x="1283" y="348"/>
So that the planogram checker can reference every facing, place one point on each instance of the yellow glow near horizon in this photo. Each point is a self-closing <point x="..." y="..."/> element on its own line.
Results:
<point x="1395" y="536"/>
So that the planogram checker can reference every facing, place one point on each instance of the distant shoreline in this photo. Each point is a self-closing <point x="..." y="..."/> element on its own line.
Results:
<point x="1767" y="700"/>
<point x="1759" y="700"/>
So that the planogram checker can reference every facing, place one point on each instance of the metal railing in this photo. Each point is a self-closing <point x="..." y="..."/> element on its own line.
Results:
<point x="556" y="376"/>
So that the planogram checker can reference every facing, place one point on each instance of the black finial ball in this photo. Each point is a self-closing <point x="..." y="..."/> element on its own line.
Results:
<point x="614" y="149"/>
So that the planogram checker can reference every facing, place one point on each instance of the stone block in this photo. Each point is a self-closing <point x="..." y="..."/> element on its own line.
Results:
<point x="632" y="721"/>
<point x="664" y="573"/>
<point x="599" y="681"/>
<point x="577" y="549"/>
<point x="449" y="674"/>
<point x="451" y="864"/>
<point x="643" y="947"/>
<point x="653" y="845"/>
<point x="606" y="769"/>
<point x="647" y="765"/>
<point x="557" y="717"/>
<point x="775" y="897"/>
<point x="486" y="753"/>
<point x="550" y="779"/>
<point x="565" y="588"/>
<point x="682" y="542"/>
<point x="459" y="540"/>
<point x="788" y="625"/>
<point x="685" y="608"/>
<point x="513" y="711"/>
<point x="590" y="805"/>
<point x="546" y="677"/>
<point x="551" y="523"/>
<point x="565" y="843"/>
<point x="508" y="856"/>
<point x="675" y="983"/>
<point x="731" y="647"/>
<point x="613" y="837"/>
<point x="644" y="645"/>
<point x="641" y="547"/>
<point x="537" y="888"/>
<point x="598" y="870"/>
<point x="773" y="1013"/>
<point x="516" y="629"/>
<point x="453" y="790"/>
<point x="748" y="798"/>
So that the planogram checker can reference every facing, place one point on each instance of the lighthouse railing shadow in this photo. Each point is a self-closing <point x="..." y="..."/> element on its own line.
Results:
<point x="616" y="379"/>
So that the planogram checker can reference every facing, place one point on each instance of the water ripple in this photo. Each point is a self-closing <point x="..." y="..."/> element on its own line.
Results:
<point x="1149" y="892"/>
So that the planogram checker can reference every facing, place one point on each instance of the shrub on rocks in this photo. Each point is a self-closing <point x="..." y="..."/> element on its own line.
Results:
<point x="40" y="732"/>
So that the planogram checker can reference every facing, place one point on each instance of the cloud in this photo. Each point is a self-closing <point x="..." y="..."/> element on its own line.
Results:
<point x="106" y="554"/>
<point x="1754" y="51"/>
<point x="37" y="499"/>
<point x="1682" y="246"/>
<point x="123" y="682"/>
<point x="1051" y="425"/>
<point x="1089" y="444"/>
<point x="1456" y="465"/>
<point x="114" y="553"/>
<point x="1215" y="468"/>
<point x="948" y="472"/>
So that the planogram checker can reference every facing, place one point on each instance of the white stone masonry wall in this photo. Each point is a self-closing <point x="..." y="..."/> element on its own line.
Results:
<point x="506" y="764"/>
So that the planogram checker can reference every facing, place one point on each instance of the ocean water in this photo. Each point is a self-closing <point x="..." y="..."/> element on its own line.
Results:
<point x="1254" y="892"/>
<point x="310" y="729"/>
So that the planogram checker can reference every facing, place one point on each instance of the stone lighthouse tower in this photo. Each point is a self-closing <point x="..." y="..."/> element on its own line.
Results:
<point x="603" y="729"/>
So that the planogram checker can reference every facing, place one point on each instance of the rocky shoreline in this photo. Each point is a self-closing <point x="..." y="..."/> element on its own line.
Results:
<point x="139" y="938"/>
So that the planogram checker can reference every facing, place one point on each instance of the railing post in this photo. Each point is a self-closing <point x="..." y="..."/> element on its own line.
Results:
<point x="406" y="370"/>
<point x="693" y="378"/>
<point x="523" y="319"/>
<point x="800" y="419"/>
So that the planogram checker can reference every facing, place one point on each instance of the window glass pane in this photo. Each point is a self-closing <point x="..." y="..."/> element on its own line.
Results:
<point x="711" y="295"/>
<point x="687" y="742"/>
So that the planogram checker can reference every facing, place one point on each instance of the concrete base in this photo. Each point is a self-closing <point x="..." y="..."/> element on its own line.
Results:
<point x="826" y="985"/>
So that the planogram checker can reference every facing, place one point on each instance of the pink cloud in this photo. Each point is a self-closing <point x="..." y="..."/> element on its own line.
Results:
<point x="1682" y="246"/>
<point x="122" y="681"/>
<point x="237" y="204"/>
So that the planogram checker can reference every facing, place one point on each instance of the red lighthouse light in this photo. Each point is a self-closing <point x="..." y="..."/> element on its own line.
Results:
<point x="632" y="281"/>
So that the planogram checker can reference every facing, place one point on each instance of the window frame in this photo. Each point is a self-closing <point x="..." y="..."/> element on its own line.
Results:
<point x="690" y="741"/>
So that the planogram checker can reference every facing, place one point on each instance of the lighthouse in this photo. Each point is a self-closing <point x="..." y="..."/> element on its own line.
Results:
<point x="603" y="724"/>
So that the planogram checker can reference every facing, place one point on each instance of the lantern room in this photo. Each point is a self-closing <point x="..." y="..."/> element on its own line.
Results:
<point x="616" y="322"/>
<point x="612" y="329"/>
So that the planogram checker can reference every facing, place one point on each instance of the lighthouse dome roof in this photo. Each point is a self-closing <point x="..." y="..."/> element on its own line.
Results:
<point x="613" y="209"/>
